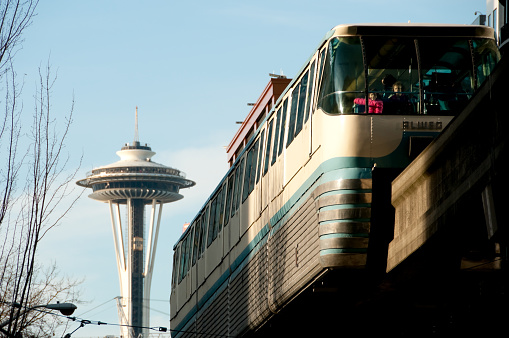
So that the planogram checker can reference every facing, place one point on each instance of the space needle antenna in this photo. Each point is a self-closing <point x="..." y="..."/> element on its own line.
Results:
<point x="136" y="138"/>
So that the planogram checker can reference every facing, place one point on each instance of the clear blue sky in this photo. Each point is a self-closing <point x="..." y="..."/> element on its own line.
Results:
<point x="190" y="67"/>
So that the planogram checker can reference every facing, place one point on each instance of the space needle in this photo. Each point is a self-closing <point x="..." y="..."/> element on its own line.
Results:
<point x="134" y="182"/>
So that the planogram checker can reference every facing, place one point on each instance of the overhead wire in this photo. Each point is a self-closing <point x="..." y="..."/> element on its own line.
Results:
<point x="83" y="322"/>
<point x="98" y="306"/>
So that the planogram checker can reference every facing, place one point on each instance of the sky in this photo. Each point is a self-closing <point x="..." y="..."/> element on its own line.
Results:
<point x="190" y="67"/>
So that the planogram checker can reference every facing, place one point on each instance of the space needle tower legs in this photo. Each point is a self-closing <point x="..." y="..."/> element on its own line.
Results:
<point x="135" y="181"/>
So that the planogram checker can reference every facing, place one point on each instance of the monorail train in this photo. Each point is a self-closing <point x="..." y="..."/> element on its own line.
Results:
<point x="301" y="200"/>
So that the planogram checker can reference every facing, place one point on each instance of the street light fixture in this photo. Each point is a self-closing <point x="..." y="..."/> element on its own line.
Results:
<point x="66" y="309"/>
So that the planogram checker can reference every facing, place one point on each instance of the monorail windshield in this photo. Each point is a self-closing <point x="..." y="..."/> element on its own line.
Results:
<point x="401" y="75"/>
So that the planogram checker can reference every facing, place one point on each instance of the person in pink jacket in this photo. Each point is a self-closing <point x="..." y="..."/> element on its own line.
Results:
<point x="375" y="105"/>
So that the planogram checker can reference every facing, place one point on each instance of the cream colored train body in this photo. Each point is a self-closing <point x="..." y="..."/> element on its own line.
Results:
<point x="298" y="199"/>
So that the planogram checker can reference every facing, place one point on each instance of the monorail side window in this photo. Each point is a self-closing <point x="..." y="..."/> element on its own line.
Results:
<point x="293" y="115"/>
<point x="486" y="56"/>
<point x="236" y="189"/>
<point x="320" y="68"/>
<point x="276" y="137"/>
<point x="229" y="198"/>
<point x="310" y="92"/>
<point x="176" y="256"/>
<point x="197" y="240"/>
<point x="267" y="147"/>
<point x="184" y="259"/>
<point x="245" y="186"/>
<point x="249" y="177"/>
<point x="204" y="225"/>
<point x="214" y="218"/>
<point x="238" y="186"/>
<point x="343" y="76"/>
<point x="220" y="211"/>
<point x="258" y="170"/>
<point x="446" y="71"/>
<point x="189" y="249"/>
<point x="302" y="101"/>
<point x="252" y="176"/>
<point x="283" y="127"/>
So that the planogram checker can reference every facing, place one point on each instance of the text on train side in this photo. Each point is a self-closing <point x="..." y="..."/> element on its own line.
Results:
<point x="422" y="125"/>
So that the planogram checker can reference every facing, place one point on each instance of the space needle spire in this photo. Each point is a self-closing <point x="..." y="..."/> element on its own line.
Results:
<point x="134" y="182"/>
<point x="136" y="138"/>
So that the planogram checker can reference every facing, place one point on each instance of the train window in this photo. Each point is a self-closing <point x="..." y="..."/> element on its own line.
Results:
<point x="293" y="115"/>
<point x="220" y="211"/>
<point x="321" y="59"/>
<point x="204" y="232"/>
<point x="310" y="92"/>
<point x="249" y="177"/>
<point x="267" y="147"/>
<point x="174" y="275"/>
<point x="212" y="217"/>
<point x="229" y="198"/>
<point x="249" y="160"/>
<point x="189" y="252"/>
<point x="253" y="166"/>
<point x="283" y="127"/>
<point x="447" y="76"/>
<point x="238" y="180"/>
<point x="192" y="246"/>
<point x="276" y="135"/>
<point x="184" y="259"/>
<point x="258" y="170"/>
<point x="393" y="76"/>
<point x="343" y="76"/>
<point x="197" y="240"/>
<point x="213" y="220"/>
<point x="302" y="102"/>
<point x="486" y="56"/>
<point x="320" y="68"/>
<point x="235" y="190"/>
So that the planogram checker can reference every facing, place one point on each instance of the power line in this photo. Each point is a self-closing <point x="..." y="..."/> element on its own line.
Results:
<point x="109" y="300"/>
<point x="83" y="322"/>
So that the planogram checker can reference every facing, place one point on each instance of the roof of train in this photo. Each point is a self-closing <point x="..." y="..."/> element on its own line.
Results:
<point x="411" y="30"/>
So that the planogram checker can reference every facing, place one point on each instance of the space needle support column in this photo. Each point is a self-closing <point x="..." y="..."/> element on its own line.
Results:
<point x="117" y="237"/>
<point x="136" y="210"/>
<point x="151" y="247"/>
<point x="150" y="254"/>
<point x="150" y="235"/>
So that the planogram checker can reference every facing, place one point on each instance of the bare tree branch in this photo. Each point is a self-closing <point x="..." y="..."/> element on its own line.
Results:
<point x="15" y="17"/>
<point x="27" y="213"/>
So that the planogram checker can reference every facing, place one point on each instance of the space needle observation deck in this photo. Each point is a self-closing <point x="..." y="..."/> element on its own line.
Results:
<point x="135" y="176"/>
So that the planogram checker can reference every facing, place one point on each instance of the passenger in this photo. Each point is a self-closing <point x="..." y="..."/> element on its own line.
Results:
<point x="397" y="88"/>
<point x="400" y="102"/>
<point x="375" y="105"/>
<point x="388" y="81"/>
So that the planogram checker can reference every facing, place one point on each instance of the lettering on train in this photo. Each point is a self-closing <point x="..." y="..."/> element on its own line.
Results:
<point x="420" y="125"/>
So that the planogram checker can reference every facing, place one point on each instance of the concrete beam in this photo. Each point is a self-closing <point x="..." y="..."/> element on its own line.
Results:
<point x="431" y="194"/>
